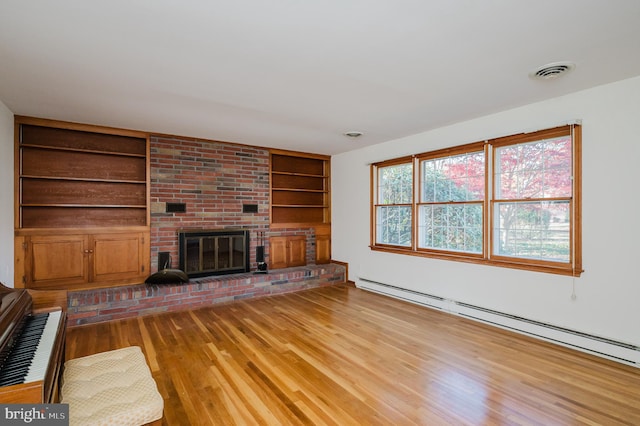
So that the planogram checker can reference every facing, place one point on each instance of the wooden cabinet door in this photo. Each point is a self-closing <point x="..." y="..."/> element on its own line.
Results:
<point x="277" y="252"/>
<point x="297" y="250"/>
<point x="323" y="244"/>
<point x="287" y="251"/>
<point x="119" y="256"/>
<point x="323" y="249"/>
<point x="54" y="260"/>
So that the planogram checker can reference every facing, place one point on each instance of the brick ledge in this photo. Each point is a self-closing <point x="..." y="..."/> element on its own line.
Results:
<point x="100" y="305"/>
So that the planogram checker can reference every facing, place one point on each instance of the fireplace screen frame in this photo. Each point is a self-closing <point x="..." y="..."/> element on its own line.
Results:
<point x="217" y="252"/>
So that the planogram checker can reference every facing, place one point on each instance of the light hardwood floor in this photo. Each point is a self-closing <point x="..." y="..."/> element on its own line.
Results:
<point x="343" y="356"/>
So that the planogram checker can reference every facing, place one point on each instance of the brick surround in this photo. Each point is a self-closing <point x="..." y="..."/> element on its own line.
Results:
<point x="100" y="305"/>
<point x="214" y="179"/>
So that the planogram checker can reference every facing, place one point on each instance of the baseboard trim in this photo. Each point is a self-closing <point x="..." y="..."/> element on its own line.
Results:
<point x="623" y="352"/>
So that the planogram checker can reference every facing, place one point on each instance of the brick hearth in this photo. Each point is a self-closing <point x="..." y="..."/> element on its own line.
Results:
<point x="100" y="305"/>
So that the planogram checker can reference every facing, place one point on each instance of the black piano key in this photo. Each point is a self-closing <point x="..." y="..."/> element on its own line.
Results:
<point x="22" y="363"/>
<point x="13" y="367"/>
<point x="16" y="363"/>
<point x="24" y="349"/>
<point x="14" y="381"/>
<point x="14" y="373"/>
<point x="19" y="374"/>
<point x="26" y="345"/>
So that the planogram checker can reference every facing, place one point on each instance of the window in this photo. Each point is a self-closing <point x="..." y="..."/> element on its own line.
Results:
<point x="512" y="201"/>
<point x="452" y="192"/>
<point x="394" y="196"/>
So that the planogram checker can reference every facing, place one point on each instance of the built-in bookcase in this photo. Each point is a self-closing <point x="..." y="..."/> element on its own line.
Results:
<point x="299" y="189"/>
<point x="71" y="178"/>
<point x="82" y="205"/>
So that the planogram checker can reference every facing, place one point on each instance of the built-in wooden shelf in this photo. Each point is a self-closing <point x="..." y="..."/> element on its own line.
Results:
<point x="70" y="177"/>
<point x="299" y="189"/>
<point x="82" y="205"/>
<point x="90" y="151"/>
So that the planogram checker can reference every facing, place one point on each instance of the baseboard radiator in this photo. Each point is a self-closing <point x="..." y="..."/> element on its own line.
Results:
<point x="607" y="348"/>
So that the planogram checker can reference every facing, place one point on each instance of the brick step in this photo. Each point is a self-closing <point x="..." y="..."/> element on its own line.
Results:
<point x="100" y="305"/>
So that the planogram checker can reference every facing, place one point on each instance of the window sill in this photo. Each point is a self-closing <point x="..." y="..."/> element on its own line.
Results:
<point x="549" y="269"/>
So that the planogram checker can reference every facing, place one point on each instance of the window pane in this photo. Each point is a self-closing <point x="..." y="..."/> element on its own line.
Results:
<point x="454" y="227"/>
<point x="539" y="169"/>
<point x="393" y="225"/>
<point x="533" y="230"/>
<point x="395" y="184"/>
<point x="456" y="178"/>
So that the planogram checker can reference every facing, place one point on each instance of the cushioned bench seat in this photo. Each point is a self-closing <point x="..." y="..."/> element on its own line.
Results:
<point x="111" y="388"/>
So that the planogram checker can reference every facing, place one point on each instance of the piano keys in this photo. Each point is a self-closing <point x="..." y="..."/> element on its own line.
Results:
<point x="32" y="333"/>
<point x="40" y="360"/>
<point x="29" y="357"/>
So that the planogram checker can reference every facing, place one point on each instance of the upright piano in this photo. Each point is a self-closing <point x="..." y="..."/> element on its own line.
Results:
<point x="32" y="335"/>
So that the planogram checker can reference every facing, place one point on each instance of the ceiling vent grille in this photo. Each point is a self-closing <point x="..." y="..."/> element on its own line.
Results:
<point x="551" y="71"/>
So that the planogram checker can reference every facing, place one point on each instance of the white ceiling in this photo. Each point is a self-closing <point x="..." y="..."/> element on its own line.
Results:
<point x="297" y="74"/>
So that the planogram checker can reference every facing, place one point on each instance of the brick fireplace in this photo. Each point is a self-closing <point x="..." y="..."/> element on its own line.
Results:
<point x="205" y="185"/>
<point x="220" y="185"/>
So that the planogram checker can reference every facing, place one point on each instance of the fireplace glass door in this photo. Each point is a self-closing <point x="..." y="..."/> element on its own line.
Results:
<point x="205" y="253"/>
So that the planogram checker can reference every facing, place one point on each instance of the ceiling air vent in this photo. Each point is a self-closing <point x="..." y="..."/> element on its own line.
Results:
<point x="551" y="71"/>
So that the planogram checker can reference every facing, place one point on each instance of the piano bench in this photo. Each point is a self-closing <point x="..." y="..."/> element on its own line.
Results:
<point x="111" y="388"/>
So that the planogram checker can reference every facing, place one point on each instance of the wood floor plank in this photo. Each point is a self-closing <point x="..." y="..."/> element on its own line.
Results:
<point x="343" y="356"/>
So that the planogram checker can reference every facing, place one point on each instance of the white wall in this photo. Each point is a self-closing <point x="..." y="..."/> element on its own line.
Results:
<point x="6" y="196"/>
<point x="608" y="292"/>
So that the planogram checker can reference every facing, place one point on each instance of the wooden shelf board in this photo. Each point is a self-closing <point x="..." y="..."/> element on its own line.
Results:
<point x="141" y="182"/>
<point x="300" y="190"/>
<point x="279" y="225"/>
<point x="127" y="206"/>
<point x="314" y="206"/>
<point x="275" y="172"/>
<point x="89" y="151"/>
